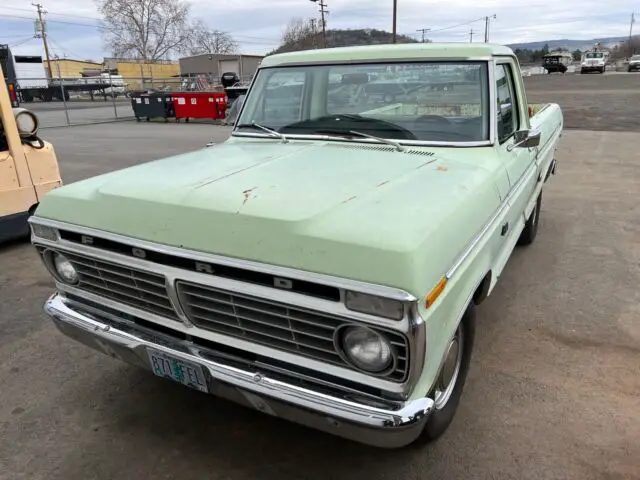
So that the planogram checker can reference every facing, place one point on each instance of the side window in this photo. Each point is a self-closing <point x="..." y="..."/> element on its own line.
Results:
<point x="282" y="100"/>
<point x="507" y="103"/>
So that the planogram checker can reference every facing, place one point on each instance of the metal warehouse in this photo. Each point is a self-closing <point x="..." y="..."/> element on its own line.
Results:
<point x="215" y="65"/>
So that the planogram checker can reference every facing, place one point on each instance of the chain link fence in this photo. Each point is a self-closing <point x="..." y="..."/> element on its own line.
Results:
<point x="61" y="101"/>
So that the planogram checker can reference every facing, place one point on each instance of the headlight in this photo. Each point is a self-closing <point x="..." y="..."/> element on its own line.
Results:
<point x="366" y="349"/>
<point x="378" y="306"/>
<point x="65" y="270"/>
<point x="26" y="121"/>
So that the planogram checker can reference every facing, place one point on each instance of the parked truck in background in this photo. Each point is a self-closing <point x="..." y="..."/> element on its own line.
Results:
<point x="594" y="60"/>
<point x="32" y="82"/>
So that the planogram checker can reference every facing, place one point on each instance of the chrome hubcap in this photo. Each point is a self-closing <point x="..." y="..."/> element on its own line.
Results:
<point x="450" y="370"/>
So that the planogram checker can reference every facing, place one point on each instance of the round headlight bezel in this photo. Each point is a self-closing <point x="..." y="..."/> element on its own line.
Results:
<point x="50" y="258"/>
<point x="340" y="338"/>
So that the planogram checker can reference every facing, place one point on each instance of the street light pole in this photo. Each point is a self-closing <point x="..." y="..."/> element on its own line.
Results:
<point x="395" y="17"/>
<point x="633" y="19"/>
<point x="487" y="21"/>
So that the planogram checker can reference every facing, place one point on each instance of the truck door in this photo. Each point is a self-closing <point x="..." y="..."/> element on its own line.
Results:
<point x="519" y="162"/>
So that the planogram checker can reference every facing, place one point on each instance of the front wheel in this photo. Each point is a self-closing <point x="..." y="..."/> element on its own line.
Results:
<point x="530" y="231"/>
<point x="447" y="391"/>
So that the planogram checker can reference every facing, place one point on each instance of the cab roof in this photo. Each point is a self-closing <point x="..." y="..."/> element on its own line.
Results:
<point x="391" y="52"/>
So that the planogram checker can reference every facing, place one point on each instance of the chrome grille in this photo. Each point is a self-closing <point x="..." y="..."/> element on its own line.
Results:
<point x="274" y="324"/>
<point x="143" y="290"/>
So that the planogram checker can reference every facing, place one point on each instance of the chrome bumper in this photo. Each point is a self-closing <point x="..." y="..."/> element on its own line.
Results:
<point x="387" y="428"/>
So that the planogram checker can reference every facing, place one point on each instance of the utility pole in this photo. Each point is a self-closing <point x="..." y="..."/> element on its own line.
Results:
<point x="471" y="36"/>
<point x="41" y="29"/>
<point x="487" y="21"/>
<point x="633" y="19"/>
<point x="323" y="11"/>
<point x="423" y="30"/>
<point x="314" y="32"/>
<point x="395" y="18"/>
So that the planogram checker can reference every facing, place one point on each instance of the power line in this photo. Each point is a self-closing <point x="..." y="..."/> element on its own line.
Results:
<point x="457" y="25"/>
<point x="21" y="42"/>
<point x="52" y="13"/>
<point x="7" y="15"/>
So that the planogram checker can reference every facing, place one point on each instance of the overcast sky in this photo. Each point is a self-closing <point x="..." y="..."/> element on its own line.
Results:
<point x="258" y="26"/>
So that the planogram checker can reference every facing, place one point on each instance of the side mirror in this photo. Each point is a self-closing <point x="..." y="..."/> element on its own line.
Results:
<point x="525" y="139"/>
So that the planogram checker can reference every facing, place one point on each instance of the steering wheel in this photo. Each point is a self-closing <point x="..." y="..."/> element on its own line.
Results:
<point x="434" y="119"/>
<point x="439" y="125"/>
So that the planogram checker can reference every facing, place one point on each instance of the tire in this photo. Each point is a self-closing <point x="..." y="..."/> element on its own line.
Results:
<point x="530" y="231"/>
<point x="445" y="409"/>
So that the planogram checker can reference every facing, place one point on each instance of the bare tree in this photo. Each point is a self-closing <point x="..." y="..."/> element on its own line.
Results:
<point x="299" y="30"/>
<point x="145" y="29"/>
<point x="204" y="40"/>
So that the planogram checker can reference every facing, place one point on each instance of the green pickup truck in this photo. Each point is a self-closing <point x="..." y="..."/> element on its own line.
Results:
<point x="324" y="264"/>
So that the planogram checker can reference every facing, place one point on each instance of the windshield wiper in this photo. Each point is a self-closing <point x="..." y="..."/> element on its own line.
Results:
<point x="273" y="133"/>
<point x="393" y="143"/>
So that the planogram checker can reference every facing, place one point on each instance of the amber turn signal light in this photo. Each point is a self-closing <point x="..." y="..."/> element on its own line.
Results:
<point x="435" y="293"/>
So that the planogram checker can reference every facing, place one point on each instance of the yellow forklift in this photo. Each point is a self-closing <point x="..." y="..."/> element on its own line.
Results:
<point x="28" y="165"/>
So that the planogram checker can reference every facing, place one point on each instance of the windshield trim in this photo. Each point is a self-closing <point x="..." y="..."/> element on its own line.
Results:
<point x="490" y="65"/>
<point x="407" y="143"/>
<point x="373" y="61"/>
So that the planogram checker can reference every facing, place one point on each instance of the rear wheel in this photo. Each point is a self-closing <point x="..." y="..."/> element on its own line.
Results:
<point x="530" y="231"/>
<point x="451" y="379"/>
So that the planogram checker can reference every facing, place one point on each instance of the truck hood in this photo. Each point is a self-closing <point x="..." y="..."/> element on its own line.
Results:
<point x="345" y="209"/>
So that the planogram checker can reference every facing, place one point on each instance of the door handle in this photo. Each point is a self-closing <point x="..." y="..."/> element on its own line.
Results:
<point x="505" y="229"/>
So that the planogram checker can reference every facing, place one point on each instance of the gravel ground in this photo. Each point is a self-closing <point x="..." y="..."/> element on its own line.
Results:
<point x="609" y="102"/>
<point x="552" y="392"/>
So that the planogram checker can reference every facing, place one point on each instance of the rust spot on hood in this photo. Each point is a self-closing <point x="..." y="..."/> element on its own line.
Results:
<point x="247" y="194"/>
<point x="442" y="168"/>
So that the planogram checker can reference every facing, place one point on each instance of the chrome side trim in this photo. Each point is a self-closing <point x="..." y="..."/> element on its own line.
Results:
<point x="347" y="284"/>
<point x="107" y="338"/>
<point x="488" y="226"/>
<point x="493" y="102"/>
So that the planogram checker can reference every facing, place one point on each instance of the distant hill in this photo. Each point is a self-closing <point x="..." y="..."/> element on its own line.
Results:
<point x="569" y="44"/>
<point x="368" y="36"/>
<point x="343" y="38"/>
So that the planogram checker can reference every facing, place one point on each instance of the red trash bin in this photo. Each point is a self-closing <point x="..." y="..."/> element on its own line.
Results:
<point x="187" y="105"/>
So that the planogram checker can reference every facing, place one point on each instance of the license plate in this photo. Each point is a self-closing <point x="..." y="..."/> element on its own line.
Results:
<point x="178" y="370"/>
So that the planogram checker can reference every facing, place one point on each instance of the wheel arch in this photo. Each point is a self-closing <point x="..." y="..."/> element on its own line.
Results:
<point x="482" y="290"/>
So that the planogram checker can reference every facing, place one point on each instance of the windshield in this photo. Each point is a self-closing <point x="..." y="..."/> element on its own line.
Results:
<point x="595" y="55"/>
<point x="428" y="101"/>
<point x="635" y="57"/>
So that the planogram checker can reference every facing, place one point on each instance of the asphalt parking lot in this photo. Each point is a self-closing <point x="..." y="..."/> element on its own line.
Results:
<point x="554" y="386"/>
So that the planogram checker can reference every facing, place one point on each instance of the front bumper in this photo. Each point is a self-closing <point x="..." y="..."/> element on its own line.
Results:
<point x="592" y="68"/>
<point x="392" y="427"/>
